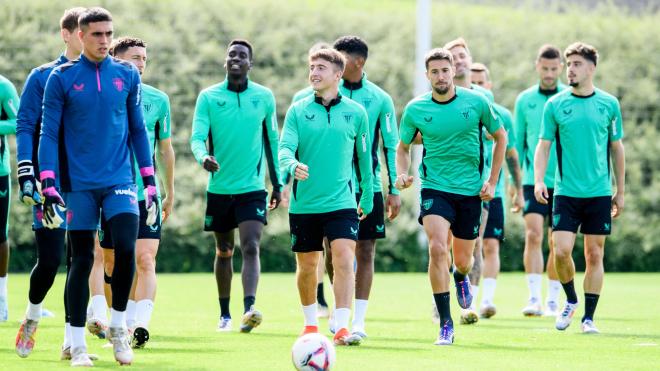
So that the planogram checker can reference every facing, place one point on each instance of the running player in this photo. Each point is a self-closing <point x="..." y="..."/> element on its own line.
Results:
<point x="528" y="115"/>
<point x="382" y="125"/>
<point x="73" y="130"/>
<point x="322" y="133"/>
<point x="50" y="242"/>
<point x="238" y="118"/>
<point x="156" y="110"/>
<point x="450" y="121"/>
<point x="585" y="122"/>
<point x="494" y="230"/>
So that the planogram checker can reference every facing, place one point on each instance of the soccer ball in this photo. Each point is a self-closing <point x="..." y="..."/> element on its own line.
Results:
<point x="313" y="352"/>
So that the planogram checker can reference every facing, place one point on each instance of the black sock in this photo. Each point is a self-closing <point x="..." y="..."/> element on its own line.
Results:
<point x="590" y="302"/>
<point x="320" y="296"/>
<point x="224" y="308"/>
<point x="569" y="289"/>
<point x="458" y="276"/>
<point x="248" y="301"/>
<point x="442" y="303"/>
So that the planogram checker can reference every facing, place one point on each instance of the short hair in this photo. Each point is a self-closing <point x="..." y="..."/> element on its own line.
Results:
<point x="457" y="42"/>
<point x="92" y="15"/>
<point x="480" y="67"/>
<point x="319" y="45"/>
<point x="586" y="51"/>
<point x="438" y="54"/>
<point x="122" y="44"/>
<point x="548" y="51"/>
<point x="243" y="42"/>
<point x="352" y="45"/>
<point x="69" y="20"/>
<point x="329" y="55"/>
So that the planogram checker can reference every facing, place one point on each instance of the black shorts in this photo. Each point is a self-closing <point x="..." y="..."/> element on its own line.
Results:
<point x="226" y="212"/>
<point x="591" y="214"/>
<point x="462" y="212"/>
<point x="495" y="223"/>
<point x="373" y="227"/>
<point x="533" y="206"/>
<point x="5" y="196"/>
<point x="144" y="231"/>
<point x="308" y="230"/>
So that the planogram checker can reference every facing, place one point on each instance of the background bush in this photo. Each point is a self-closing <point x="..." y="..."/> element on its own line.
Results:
<point x="187" y="41"/>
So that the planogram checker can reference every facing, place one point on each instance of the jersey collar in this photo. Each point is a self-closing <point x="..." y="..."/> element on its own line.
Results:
<point x="240" y="89"/>
<point x="548" y="92"/>
<point x="333" y="102"/>
<point x="101" y="64"/>
<point x="355" y="85"/>
<point x="584" y="96"/>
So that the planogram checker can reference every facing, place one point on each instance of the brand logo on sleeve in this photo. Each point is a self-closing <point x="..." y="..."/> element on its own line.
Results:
<point x="310" y="117"/>
<point x="78" y="87"/>
<point x="118" y="83"/>
<point x="388" y="125"/>
<point x="614" y="129"/>
<point x="364" y="142"/>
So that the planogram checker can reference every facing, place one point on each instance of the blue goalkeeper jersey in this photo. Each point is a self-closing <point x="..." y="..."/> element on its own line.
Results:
<point x="92" y="118"/>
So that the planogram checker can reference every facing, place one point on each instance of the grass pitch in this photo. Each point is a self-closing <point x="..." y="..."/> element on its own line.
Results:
<point x="401" y="334"/>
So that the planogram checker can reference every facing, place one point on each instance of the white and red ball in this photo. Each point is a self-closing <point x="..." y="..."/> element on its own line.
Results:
<point x="313" y="352"/>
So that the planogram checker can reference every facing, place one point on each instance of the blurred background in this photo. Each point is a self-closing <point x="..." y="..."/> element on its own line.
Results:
<point x="186" y="48"/>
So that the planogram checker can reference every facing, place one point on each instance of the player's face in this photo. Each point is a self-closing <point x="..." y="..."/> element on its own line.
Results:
<point x="579" y="70"/>
<point x="480" y="78"/>
<point x="96" y="39"/>
<point x="136" y="55"/>
<point x="323" y="74"/>
<point x="549" y="71"/>
<point x="352" y="64"/>
<point x="238" y="61"/>
<point x="441" y="75"/>
<point x="462" y="61"/>
<point x="72" y="41"/>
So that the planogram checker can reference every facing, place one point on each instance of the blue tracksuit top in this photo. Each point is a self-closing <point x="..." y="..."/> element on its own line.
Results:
<point x="92" y="118"/>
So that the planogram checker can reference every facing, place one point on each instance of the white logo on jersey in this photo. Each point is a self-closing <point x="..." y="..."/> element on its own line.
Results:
<point x="614" y="133"/>
<point x="10" y="102"/>
<point x="364" y="142"/>
<point x="388" y="126"/>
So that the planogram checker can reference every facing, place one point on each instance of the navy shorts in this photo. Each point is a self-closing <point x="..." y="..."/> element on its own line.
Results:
<point x="84" y="207"/>
<point x="226" y="212"/>
<point x="308" y="230"/>
<point x="533" y="206"/>
<point x="495" y="223"/>
<point x="373" y="227"/>
<point x="144" y="231"/>
<point x="591" y="214"/>
<point x="462" y="212"/>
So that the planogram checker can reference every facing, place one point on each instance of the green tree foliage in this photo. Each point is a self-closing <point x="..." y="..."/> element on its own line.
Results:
<point x="187" y="41"/>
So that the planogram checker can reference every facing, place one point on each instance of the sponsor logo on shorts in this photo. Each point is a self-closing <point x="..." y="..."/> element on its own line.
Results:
<point x="293" y="239"/>
<point x="475" y="231"/>
<point x="555" y="220"/>
<point x="380" y="228"/>
<point x="154" y="228"/>
<point x="606" y="226"/>
<point x="526" y="207"/>
<point x="497" y="231"/>
<point x="354" y="231"/>
<point x="126" y="192"/>
<point x="427" y="204"/>
<point x="261" y="212"/>
<point x="208" y="221"/>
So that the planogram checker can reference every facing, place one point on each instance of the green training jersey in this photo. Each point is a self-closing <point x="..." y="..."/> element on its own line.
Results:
<point x="326" y="138"/>
<point x="156" y="110"/>
<point x="382" y="124"/>
<point x="241" y="126"/>
<point x="582" y="128"/>
<point x="487" y="93"/>
<point x="528" y="114"/>
<point x="506" y="120"/>
<point x="453" y="159"/>
<point x="302" y="93"/>
<point x="8" y="109"/>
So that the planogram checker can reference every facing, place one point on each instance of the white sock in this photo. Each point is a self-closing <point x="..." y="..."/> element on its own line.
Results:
<point x="341" y="318"/>
<point x="534" y="284"/>
<point x="3" y="285"/>
<point x="117" y="318"/>
<point x="77" y="337"/>
<point x="310" y="315"/>
<point x="33" y="311"/>
<point x="67" y="335"/>
<point x="475" y="294"/>
<point x="130" y="313"/>
<point x="100" y="308"/>
<point x="489" y="291"/>
<point x="554" y="288"/>
<point x="359" y="313"/>
<point x="143" y="310"/>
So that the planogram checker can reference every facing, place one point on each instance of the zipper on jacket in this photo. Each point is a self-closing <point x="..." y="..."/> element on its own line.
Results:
<point x="98" y="78"/>
<point x="238" y="97"/>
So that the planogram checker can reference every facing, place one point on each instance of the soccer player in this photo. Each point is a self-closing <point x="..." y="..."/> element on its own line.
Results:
<point x="322" y="132"/>
<point x="382" y="126"/>
<point x="450" y="121"/>
<point x="156" y="110"/>
<point x="528" y="114"/>
<point x="8" y="107"/>
<point x="585" y="122"/>
<point x="92" y="111"/>
<point x="239" y="119"/>
<point x="50" y="242"/>
<point x="494" y="229"/>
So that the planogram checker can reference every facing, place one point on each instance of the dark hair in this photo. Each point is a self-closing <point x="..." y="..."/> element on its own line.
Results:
<point x="243" y="42"/>
<point x="586" y="51"/>
<point x="352" y="45"/>
<point x="330" y="55"/>
<point x="122" y="44"/>
<point x="548" y="51"/>
<point x="92" y="15"/>
<point x="69" y="20"/>
<point x="438" y="54"/>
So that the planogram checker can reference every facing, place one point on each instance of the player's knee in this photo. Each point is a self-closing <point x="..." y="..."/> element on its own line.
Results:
<point x="438" y="250"/>
<point x="365" y="253"/>
<point x="534" y="238"/>
<point x="491" y="247"/>
<point x="224" y="252"/>
<point x="250" y="249"/>
<point x="562" y="253"/>
<point x="146" y="263"/>
<point x="593" y="255"/>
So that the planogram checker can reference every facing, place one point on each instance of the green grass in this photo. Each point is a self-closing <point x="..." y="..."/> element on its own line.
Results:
<point x="399" y="326"/>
